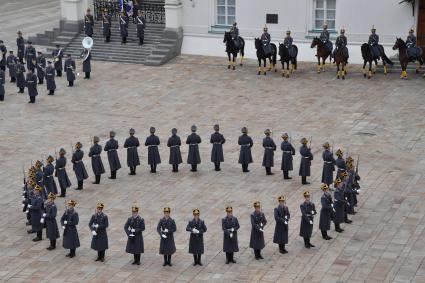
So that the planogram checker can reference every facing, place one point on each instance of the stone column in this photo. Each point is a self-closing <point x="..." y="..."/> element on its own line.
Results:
<point x="173" y="14"/>
<point x="72" y="14"/>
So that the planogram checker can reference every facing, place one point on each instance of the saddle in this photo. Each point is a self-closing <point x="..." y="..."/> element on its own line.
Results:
<point x="267" y="48"/>
<point x="414" y="53"/>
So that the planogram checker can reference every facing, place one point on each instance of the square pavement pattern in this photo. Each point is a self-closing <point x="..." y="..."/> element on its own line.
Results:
<point x="381" y="120"/>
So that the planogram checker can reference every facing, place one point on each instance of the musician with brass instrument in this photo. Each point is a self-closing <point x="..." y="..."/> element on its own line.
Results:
<point x="57" y="55"/>
<point x="88" y="23"/>
<point x="123" y="26"/>
<point x="141" y="25"/>
<point x="86" y="56"/>
<point x="30" y="56"/>
<point x="70" y="70"/>
<point x="41" y="67"/>
<point x="50" y="78"/>
<point x="106" y="25"/>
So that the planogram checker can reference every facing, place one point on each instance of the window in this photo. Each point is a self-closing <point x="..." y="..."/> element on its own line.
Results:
<point x="225" y="12"/>
<point x="324" y="12"/>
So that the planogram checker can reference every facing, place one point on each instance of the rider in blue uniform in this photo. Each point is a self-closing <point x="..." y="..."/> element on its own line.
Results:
<point x="374" y="43"/>
<point x="265" y="40"/>
<point x="324" y="37"/>
<point x="413" y="50"/>
<point x="234" y="31"/>
<point x="288" y="44"/>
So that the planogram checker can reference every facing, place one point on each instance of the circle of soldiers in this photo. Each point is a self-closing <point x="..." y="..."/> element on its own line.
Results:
<point x="40" y="186"/>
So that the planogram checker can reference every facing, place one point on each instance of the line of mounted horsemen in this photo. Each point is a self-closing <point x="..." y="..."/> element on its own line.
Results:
<point x="371" y="51"/>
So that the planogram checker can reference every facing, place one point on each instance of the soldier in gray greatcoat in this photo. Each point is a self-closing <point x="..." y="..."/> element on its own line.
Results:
<point x="306" y="158"/>
<point x="193" y="140"/>
<point x="2" y="81"/>
<point x="31" y="84"/>
<point x="87" y="63"/>
<point x="111" y="147"/>
<point x="20" y="42"/>
<point x="3" y="52"/>
<point x="98" y="225"/>
<point x="78" y="165"/>
<point x="166" y="228"/>
<point x="123" y="19"/>
<point x="141" y="25"/>
<point x="61" y="174"/>
<point x="106" y="25"/>
<point x="340" y="163"/>
<point x="134" y="228"/>
<point x="328" y="165"/>
<point x="11" y="61"/>
<point x="326" y="212"/>
<point x="30" y="56"/>
<point x="69" y="221"/>
<point x="39" y="178"/>
<point x="258" y="221"/>
<point x="88" y="23"/>
<point x="287" y="152"/>
<point x="197" y="228"/>
<point x="217" y="140"/>
<point x="347" y="189"/>
<point x="152" y="142"/>
<point x="246" y="143"/>
<point x="41" y="67"/>
<point x="50" y="78"/>
<point x="48" y="176"/>
<point x="35" y="210"/>
<point x="281" y="216"/>
<point x="70" y="70"/>
<point x="20" y="77"/>
<point x="308" y="211"/>
<point x="339" y="205"/>
<point x="57" y="55"/>
<point x="49" y="219"/>
<point x="269" y="149"/>
<point x="131" y="144"/>
<point x="96" y="160"/>
<point x="174" y="144"/>
<point x="230" y="226"/>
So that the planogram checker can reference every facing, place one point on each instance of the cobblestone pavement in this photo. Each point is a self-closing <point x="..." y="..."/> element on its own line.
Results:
<point x="381" y="119"/>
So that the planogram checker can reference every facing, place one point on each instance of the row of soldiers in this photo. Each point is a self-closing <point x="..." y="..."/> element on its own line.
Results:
<point x="175" y="159"/>
<point x="43" y="215"/>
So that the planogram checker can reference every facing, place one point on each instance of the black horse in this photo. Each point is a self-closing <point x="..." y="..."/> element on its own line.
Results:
<point x="370" y="57"/>
<point x="322" y="53"/>
<point x="341" y="61"/>
<point x="286" y="58"/>
<point x="404" y="58"/>
<point x="262" y="56"/>
<point x="233" y="50"/>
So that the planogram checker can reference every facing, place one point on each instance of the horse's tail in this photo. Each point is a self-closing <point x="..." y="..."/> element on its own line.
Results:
<point x="242" y="50"/>
<point x="274" y="55"/>
<point x="385" y="58"/>
<point x="295" y="62"/>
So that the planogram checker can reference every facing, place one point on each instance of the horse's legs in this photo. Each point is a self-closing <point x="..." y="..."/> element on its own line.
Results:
<point x="228" y="56"/>
<point x="370" y="70"/>
<point x="234" y="60"/>
<point x="265" y="65"/>
<point x="364" y="68"/>
<point x="343" y="70"/>
<point x="323" y="63"/>
<point x="418" y="66"/>
<point x="403" y="71"/>
<point x="338" y="72"/>
<point x="283" y="68"/>
<point x="376" y="66"/>
<point x="259" y="66"/>
<point x="318" y="64"/>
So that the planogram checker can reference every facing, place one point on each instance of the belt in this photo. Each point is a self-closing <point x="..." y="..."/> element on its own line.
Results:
<point x="112" y="150"/>
<point x="95" y="155"/>
<point x="286" y="151"/>
<point x="217" y="143"/>
<point x="340" y="169"/>
<point x="152" y="145"/>
<point x="61" y="168"/>
<point x="78" y="161"/>
<point x="245" y="145"/>
<point x="175" y="146"/>
<point x="193" y="144"/>
<point x="132" y="147"/>
<point x="328" y="162"/>
<point x="268" y="147"/>
<point x="49" y="176"/>
<point x="306" y="157"/>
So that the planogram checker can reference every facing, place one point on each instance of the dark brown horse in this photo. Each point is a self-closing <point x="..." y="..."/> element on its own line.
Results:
<point x="404" y="58"/>
<point x="322" y="53"/>
<point x="341" y="61"/>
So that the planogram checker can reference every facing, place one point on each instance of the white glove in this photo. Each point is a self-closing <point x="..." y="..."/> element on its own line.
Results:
<point x="23" y="197"/>
<point x="42" y="220"/>
<point x="44" y="214"/>
<point x="94" y="233"/>
<point x="23" y="205"/>
<point x="261" y="230"/>
<point x="27" y="211"/>
<point x="231" y="235"/>
<point x="311" y="222"/>
<point x="129" y="228"/>
<point x="63" y="227"/>
<point x="332" y="205"/>
<point x="96" y="225"/>
<point x="312" y="212"/>
<point x="286" y="222"/>
<point x="166" y="230"/>
<point x="65" y="222"/>
<point x="195" y="231"/>
<point x="334" y="209"/>
<point x="133" y="230"/>
<point x="232" y="229"/>
<point x="286" y="216"/>
<point x="261" y="224"/>
<point x="93" y="225"/>
<point x="131" y="235"/>
<point x="164" y="236"/>
<point x="29" y="206"/>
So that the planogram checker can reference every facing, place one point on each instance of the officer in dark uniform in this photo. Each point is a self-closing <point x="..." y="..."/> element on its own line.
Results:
<point x="96" y="160"/>
<point x="98" y="225"/>
<point x="41" y="67"/>
<point x="348" y="209"/>
<point x="20" y="42"/>
<point x="35" y="210"/>
<point x="70" y="70"/>
<point x="328" y="165"/>
<point x="413" y="50"/>
<point x="266" y="39"/>
<point x="174" y="144"/>
<point x="39" y="178"/>
<point x="31" y="84"/>
<point x="258" y="221"/>
<point x="30" y="56"/>
<point x="106" y="25"/>
<point x="269" y="149"/>
<point x="166" y="228"/>
<point x="193" y="140"/>
<point x="50" y="78"/>
<point x="61" y="173"/>
<point x="57" y="55"/>
<point x="326" y="212"/>
<point x="230" y="226"/>
<point x="282" y="216"/>
<point x="88" y="23"/>
<point x="341" y="43"/>
<point x="123" y="18"/>
<point x="20" y="77"/>
<point x="246" y="143"/>
<point x="2" y="82"/>
<point x="308" y="211"/>
<point x="324" y="37"/>
<point x="141" y="25"/>
<point x="340" y="163"/>
<point x="306" y="158"/>
<point x="131" y="144"/>
<point x="86" y="63"/>
<point x="287" y="152"/>
<point x="3" y="53"/>
<point x="134" y="228"/>
<point x="78" y="165"/>
<point x="374" y="43"/>
<point x="217" y="140"/>
<point x="152" y="142"/>
<point x="197" y="228"/>
<point x="287" y="42"/>
<point x="111" y="148"/>
<point x="11" y="61"/>
<point x="234" y="32"/>
<point x="49" y="219"/>
<point x="69" y="221"/>
<point x="339" y="205"/>
<point x="48" y="176"/>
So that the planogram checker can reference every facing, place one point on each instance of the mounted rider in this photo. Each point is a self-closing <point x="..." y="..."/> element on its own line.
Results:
<point x="287" y="42"/>
<point x="234" y="32"/>
<point x="265" y="40"/>
<point x="341" y="43"/>
<point x="374" y="43"/>
<point x="324" y="37"/>
<point x="413" y="51"/>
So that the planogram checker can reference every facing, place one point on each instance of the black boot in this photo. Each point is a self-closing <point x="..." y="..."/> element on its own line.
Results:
<point x="338" y="228"/>
<point x="135" y="259"/>
<point x="194" y="168"/>
<point x="63" y="193"/>
<point x="113" y="174"/>
<point x="306" y="243"/>
<point x="38" y="237"/>
<point x="257" y="257"/>
<point x="71" y="253"/>
<point x="80" y="185"/>
<point x="52" y="245"/>
<point x="284" y="251"/>
<point x="97" y="180"/>
<point x="304" y="180"/>
<point x="195" y="259"/>
<point x="138" y="259"/>
<point x="311" y="246"/>
<point x="199" y="260"/>
<point x="227" y="258"/>
<point x="259" y="254"/>
<point x="245" y="168"/>
<point x="169" y="260"/>
<point x="217" y="166"/>
<point x="286" y="175"/>
<point x="99" y="255"/>
<point x="165" y="260"/>
<point x="87" y="75"/>
<point x="269" y="171"/>
<point x="231" y="258"/>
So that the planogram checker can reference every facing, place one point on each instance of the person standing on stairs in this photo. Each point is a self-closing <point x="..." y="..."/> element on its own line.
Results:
<point x="141" y="25"/>
<point x="123" y="27"/>
<point x="88" y="23"/>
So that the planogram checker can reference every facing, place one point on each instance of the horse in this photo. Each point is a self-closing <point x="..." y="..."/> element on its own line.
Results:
<point x="341" y="61"/>
<point x="233" y="50"/>
<point x="262" y="56"/>
<point x="285" y="58"/>
<point x="368" y="57"/>
<point x="322" y="53"/>
<point x="404" y="57"/>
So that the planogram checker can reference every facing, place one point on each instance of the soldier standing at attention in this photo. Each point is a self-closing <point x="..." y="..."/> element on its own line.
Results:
<point x="48" y="179"/>
<point x="78" y="165"/>
<point x="41" y="67"/>
<point x="339" y="205"/>
<point x="152" y="142"/>
<point x="98" y="225"/>
<point x="96" y="160"/>
<point x="111" y="147"/>
<point x="20" y="42"/>
<point x="131" y="144"/>
<point x="69" y="221"/>
<point x="70" y="70"/>
<point x="282" y="216"/>
<point x="166" y="228"/>
<point x="106" y="25"/>
<point x="328" y="165"/>
<point x="30" y="56"/>
<point x="50" y="78"/>
<point x="217" y="141"/>
<point x="134" y="228"/>
<point x="49" y="219"/>
<point x="141" y="25"/>
<point x="35" y="210"/>
<point x="269" y="148"/>
<point x="230" y="226"/>
<point x="258" y="221"/>
<point x="3" y="53"/>
<point x="57" y="59"/>
<point x="2" y="81"/>
<point x="61" y="174"/>
<point x="20" y="77"/>
<point x="88" y="24"/>
<point x="340" y="163"/>
<point x="245" y="156"/>
<point x="11" y="61"/>
<point x="308" y="211"/>
<point x="193" y="140"/>
<point x="174" y="144"/>
<point x="326" y="212"/>
<point x="287" y="152"/>
<point x="87" y="63"/>
<point x="197" y="228"/>
<point x="31" y="84"/>
<point x="306" y="158"/>
<point x="123" y="18"/>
